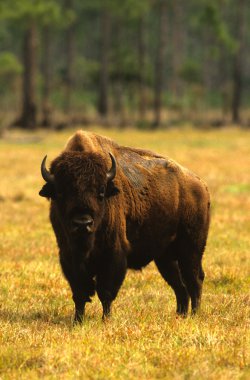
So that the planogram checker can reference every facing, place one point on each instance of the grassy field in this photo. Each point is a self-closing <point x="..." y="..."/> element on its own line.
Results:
<point x="144" y="339"/>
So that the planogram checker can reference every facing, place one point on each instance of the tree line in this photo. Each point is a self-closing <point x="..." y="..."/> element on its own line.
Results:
<point x="126" y="60"/>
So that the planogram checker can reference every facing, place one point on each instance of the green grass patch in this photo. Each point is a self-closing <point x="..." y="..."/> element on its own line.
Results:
<point x="237" y="188"/>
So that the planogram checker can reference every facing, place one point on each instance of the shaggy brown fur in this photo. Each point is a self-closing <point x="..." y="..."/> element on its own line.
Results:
<point x="154" y="209"/>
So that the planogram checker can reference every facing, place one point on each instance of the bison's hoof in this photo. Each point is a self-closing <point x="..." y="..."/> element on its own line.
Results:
<point x="78" y="320"/>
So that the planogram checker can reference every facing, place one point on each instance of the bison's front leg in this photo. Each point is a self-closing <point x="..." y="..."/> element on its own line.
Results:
<point x="82" y="286"/>
<point x="79" y="310"/>
<point x="106" y="307"/>
<point x="109" y="280"/>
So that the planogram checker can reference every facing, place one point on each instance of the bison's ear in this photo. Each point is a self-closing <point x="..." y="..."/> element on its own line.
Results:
<point x="47" y="191"/>
<point x="111" y="190"/>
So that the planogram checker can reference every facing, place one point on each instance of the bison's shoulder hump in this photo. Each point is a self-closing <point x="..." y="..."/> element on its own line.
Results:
<point x="89" y="142"/>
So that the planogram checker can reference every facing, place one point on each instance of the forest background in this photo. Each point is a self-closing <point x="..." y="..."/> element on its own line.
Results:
<point x="143" y="63"/>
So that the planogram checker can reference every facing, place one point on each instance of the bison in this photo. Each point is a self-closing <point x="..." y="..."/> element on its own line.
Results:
<point x="114" y="207"/>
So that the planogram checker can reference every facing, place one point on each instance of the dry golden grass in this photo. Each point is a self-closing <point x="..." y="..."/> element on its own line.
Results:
<point x="144" y="339"/>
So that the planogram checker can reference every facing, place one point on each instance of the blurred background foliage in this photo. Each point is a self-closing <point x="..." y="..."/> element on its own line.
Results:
<point x="147" y="63"/>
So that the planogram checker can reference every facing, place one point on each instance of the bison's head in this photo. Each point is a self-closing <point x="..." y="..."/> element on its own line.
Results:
<point x="78" y="185"/>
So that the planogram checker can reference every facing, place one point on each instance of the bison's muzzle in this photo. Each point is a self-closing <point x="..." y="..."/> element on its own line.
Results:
<point x="84" y="223"/>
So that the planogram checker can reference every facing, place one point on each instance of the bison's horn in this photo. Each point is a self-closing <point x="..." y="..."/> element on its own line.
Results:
<point x="112" y="172"/>
<point x="45" y="173"/>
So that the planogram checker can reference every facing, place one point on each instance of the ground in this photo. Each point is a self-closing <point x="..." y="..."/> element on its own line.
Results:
<point x="143" y="339"/>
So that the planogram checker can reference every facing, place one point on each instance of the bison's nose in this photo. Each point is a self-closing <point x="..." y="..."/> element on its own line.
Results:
<point x="84" y="222"/>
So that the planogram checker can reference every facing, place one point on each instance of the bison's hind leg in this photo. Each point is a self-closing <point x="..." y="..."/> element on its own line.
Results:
<point x="193" y="276"/>
<point x="169" y="270"/>
<point x="190" y="263"/>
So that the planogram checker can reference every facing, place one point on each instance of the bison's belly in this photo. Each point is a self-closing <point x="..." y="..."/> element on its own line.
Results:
<point x="149" y="237"/>
<point x="138" y="260"/>
<point x="147" y="244"/>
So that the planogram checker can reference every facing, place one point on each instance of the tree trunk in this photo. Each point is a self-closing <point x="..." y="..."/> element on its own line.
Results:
<point x="238" y="62"/>
<point x="70" y="56"/>
<point x="177" y="46"/>
<point x="160" y="61"/>
<point x="104" y="72"/>
<point x="141" y="60"/>
<point x="47" y="77"/>
<point x="28" y="119"/>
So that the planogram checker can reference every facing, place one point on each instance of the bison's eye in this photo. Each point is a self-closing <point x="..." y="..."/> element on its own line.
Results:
<point x="101" y="194"/>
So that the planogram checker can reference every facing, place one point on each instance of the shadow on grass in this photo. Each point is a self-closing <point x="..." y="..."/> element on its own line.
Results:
<point x="58" y="320"/>
<point x="226" y="283"/>
<point x="31" y="317"/>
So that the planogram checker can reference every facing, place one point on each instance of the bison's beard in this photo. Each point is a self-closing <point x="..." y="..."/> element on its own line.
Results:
<point x="82" y="246"/>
